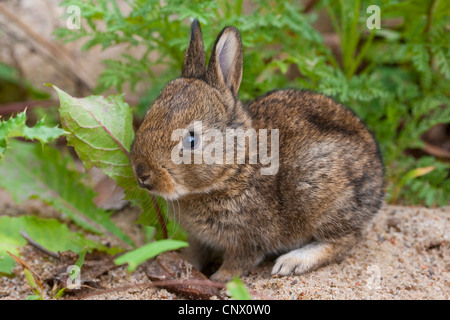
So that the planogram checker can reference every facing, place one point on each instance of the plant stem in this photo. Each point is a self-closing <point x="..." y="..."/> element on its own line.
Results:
<point x="352" y="36"/>
<point x="161" y="220"/>
<point x="362" y="53"/>
<point x="430" y="13"/>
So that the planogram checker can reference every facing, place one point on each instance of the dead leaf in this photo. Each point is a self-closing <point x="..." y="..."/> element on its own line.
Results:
<point x="191" y="283"/>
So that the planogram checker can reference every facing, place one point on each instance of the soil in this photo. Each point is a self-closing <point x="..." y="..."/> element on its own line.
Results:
<point x="404" y="255"/>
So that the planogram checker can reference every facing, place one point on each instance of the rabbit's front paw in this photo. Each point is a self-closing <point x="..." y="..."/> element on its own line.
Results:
<point x="301" y="260"/>
<point x="222" y="276"/>
<point x="235" y="266"/>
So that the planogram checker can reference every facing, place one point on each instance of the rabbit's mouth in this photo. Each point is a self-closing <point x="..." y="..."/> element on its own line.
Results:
<point x="178" y="193"/>
<point x="162" y="184"/>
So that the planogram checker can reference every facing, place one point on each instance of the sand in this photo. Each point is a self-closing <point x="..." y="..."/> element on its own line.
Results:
<point x="404" y="255"/>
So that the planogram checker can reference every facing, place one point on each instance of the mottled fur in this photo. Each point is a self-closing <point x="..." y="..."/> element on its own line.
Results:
<point x="328" y="186"/>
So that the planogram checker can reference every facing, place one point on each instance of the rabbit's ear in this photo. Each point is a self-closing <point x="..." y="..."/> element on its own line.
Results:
<point x="194" y="65"/>
<point x="225" y="64"/>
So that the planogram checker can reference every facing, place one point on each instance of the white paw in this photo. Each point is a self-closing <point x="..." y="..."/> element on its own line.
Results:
<point x="300" y="260"/>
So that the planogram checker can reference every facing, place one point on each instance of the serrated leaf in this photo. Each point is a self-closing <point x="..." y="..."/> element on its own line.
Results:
<point x="49" y="233"/>
<point x="443" y="62"/>
<point x="135" y="257"/>
<point x="16" y="127"/>
<point x="28" y="171"/>
<point x="101" y="131"/>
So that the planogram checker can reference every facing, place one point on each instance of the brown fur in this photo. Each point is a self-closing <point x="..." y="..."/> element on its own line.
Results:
<point x="328" y="186"/>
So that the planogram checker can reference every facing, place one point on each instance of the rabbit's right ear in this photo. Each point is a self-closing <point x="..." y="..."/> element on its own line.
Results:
<point x="194" y="65"/>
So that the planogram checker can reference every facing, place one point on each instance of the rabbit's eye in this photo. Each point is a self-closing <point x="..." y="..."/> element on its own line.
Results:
<point x="191" y="141"/>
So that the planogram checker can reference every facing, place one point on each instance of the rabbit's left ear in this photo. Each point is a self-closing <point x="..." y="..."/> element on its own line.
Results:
<point x="225" y="64"/>
<point x="194" y="65"/>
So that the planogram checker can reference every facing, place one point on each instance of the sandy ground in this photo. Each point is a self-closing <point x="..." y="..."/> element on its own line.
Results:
<point x="404" y="255"/>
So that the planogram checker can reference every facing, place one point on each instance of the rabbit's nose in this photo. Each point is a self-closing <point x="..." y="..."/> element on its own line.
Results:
<point x="145" y="181"/>
<point x="144" y="177"/>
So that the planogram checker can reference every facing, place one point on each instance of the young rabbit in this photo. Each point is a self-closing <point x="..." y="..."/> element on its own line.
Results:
<point x="311" y="211"/>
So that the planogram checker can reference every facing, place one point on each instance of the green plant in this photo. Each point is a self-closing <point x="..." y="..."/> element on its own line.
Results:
<point x="136" y="257"/>
<point x="32" y="171"/>
<point x="49" y="233"/>
<point x="35" y="282"/>
<point x="396" y="78"/>
<point x="38" y="295"/>
<point x="237" y="290"/>
<point x="101" y="132"/>
<point x="16" y="127"/>
<point x="151" y="25"/>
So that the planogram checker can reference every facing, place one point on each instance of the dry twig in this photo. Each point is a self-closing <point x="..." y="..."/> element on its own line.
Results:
<point x="24" y="234"/>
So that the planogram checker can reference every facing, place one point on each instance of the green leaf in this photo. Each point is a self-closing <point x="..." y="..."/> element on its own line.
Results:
<point x="10" y="240"/>
<point x="28" y="171"/>
<point x="34" y="297"/>
<point x="418" y="172"/>
<point x="80" y="260"/>
<point x="16" y="127"/>
<point x="49" y="233"/>
<point x="60" y="293"/>
<point x="237" y="290"/>
<point x="30" y="279"/>
<point x="55" y="236"/>
<point x="136" y="257"/>
<point x="443" y="62"/>
<point x="101" y="131"/>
